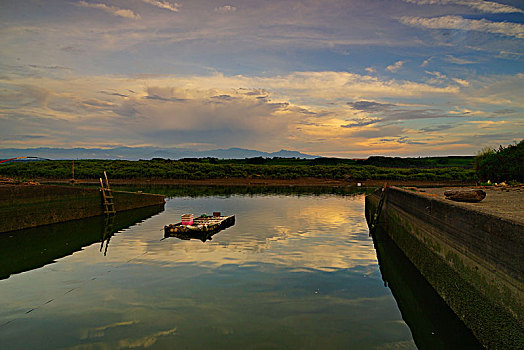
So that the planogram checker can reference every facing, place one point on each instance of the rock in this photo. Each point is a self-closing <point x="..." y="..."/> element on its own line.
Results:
<point x="472" y="196"/>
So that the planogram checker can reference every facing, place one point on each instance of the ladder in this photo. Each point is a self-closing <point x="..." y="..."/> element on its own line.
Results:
<point x="107" y="197"/>
<point x="374" y="219"/>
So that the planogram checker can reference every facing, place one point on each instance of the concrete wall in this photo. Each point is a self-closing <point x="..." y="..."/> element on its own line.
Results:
<point x="29" y="206"/>
<point x="473" y="260"/>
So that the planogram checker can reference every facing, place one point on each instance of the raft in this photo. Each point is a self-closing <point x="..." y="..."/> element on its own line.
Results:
<point x="208" y="225"/>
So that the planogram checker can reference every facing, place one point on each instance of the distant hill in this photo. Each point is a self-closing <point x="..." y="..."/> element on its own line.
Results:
<point x="135" y="153"/>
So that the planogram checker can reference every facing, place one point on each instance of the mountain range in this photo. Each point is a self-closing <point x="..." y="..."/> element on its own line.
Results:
<point x="135" y="153"/>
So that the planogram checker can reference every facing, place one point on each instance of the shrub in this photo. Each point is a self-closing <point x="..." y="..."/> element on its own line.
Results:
<point x="502" y="164"/>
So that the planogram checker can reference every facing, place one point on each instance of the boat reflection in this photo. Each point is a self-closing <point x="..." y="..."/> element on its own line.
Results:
<point x="33" y="248"/>
<point x="203" y="236"/>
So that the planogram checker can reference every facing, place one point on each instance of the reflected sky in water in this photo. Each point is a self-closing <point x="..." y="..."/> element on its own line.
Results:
<point x="293" y="272"/>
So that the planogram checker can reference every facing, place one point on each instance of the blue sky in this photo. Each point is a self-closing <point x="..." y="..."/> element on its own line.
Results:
<point x="334" y="78"/>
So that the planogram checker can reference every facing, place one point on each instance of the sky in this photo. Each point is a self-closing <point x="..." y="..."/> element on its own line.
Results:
<point x="332" y="78"/>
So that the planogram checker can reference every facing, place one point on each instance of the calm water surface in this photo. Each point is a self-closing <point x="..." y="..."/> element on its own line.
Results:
<point x="295" y="271"/>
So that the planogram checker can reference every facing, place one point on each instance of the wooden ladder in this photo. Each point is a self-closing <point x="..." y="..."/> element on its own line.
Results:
<point x="107" y="196"/>
<point x="374" y="219"/>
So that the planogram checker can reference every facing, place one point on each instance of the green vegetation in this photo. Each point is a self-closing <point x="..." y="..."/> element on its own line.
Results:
<point x="379" y="161"/>
<point x="210" y="168"/>
<point x="426" y="162"/>
<point x="503" y="164"/>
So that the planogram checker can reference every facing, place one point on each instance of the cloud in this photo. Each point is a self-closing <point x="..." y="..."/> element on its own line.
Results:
<point x="25" y="96"/>
<point x="126" y="109"/>
<point x="25" y="137"/>
<point x="34" y="70"/>
<point x="112" y="93"/>
<point x="510" y="54"/>
<point x="457" y="60"/>
<point x="377" y="132"/>
<point x="95" y="103"/>
<point x="282" y="53"/>
<point x="307" y="111"/>
<point x="403" y="139"/>
<point x="437" y="78"/>
<point x="412" y="114"/>
<point x="259" y="93"/>
<point x="395" y="67"/>
<point x="500" y="92"/>
<point x="437" y="128"/>
<point x="489" y="6"/>
<point x="165" y="94"/>
<point x="505" y="111"/>
<point x="223" y="97"/>
<point x="225" y="9"/>
<point x="460" y="23"/>
<point x="480" y="5"/>
<point x="174" y="7"/>
<point x="461" y="81"/>
<point x="370" y="106"/>
<point x="72" y="49"/>
<point x="48" y="67"/>
<point x="213" y="116"/>
<point x="361" y="122"/>
<point x="115" y="11"/>
<point x="391" y="112"/>
<point x="436" y="74"/>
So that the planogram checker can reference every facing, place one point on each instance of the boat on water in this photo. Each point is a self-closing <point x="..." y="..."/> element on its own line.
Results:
<point x="202" y="227"/>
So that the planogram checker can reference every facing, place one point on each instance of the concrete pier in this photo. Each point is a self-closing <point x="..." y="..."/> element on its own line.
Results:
<point x="472" y="256"/>
<point x="30" y="206"/>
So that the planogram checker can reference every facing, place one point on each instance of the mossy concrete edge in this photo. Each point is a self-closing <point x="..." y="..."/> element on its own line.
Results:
<point x="31" y="206"/>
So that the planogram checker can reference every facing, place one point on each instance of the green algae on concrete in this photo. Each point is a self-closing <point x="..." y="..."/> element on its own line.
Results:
<point x="431" y="321"/>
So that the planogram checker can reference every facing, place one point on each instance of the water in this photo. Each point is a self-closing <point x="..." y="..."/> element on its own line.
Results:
<point x="297" y="270"/>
